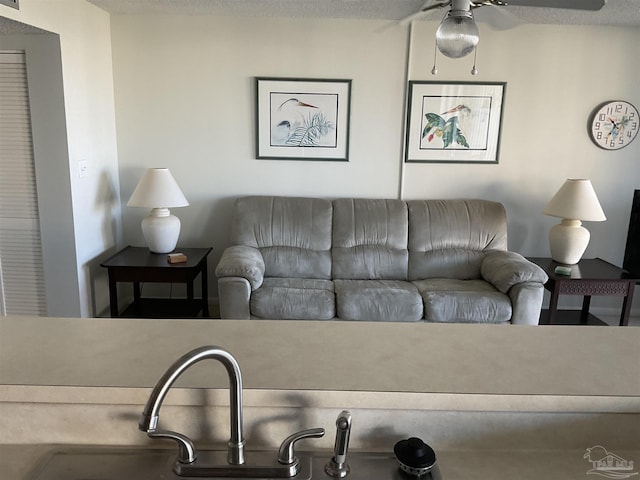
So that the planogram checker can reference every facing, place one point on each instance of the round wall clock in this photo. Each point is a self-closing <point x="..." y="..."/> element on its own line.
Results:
<point x="614" y="125"/>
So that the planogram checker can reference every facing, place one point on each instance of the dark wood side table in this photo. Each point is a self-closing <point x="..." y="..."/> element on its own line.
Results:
<point x="588" y="277"/>
<point x="138" y="264"/>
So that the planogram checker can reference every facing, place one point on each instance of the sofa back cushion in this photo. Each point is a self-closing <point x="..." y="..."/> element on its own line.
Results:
<point x="370" y="239"/>
<point x="293" y="234"/>
<point x="447" y="238"/>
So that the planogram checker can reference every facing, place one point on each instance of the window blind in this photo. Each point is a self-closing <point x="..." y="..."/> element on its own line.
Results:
<point x="22" y="290"/>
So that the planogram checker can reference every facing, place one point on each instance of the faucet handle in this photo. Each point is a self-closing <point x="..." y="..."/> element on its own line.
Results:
<point x="286" y="453"/>
<point x="186" y="448"/>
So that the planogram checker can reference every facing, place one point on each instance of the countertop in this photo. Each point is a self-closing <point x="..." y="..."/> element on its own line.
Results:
<point x="494" y="401"/>
<point x="327" y="356"/>
<point x="17" y="463"/>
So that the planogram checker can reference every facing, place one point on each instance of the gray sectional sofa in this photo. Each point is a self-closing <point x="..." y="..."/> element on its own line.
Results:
<point x="375" y="260"/>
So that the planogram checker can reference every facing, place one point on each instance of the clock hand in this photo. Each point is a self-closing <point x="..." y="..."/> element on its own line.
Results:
<point x="614" y="129"/>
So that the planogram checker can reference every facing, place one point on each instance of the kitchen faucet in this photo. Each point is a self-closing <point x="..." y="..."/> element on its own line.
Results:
<point x="188" y="463"/>
<point x="150" y="415"/>
<point x="414" y="459"/>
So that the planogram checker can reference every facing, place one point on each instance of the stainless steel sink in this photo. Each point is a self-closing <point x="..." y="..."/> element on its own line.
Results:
<point x="412" y="458"/>
<point x="83" y="463"/>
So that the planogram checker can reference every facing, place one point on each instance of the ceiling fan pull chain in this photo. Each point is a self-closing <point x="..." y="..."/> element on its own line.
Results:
<point x="434" y="70"/>
<point x="474" y="70"/>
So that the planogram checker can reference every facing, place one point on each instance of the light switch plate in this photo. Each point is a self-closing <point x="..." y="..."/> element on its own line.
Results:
<point x="83" y="168"/>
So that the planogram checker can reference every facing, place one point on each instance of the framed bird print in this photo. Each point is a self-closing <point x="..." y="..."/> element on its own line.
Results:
<point x="454" y="122"/>
<point x="302" y="119"/>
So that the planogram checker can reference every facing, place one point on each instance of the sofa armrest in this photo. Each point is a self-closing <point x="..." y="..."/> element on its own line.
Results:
<point x="526" y="300"/>
<point x="505" y="269"/>
<point x="242" y="261"/>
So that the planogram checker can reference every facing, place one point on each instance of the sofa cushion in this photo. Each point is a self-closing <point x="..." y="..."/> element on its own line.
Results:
<point x="292" y="234"/>
<point x="463" y="301"/>
<point x="447" y="238"/>
<point x="294" y="299"/>
<point x="286" y="262"/>
<point x="378" y="300"/>
<point x="369" y="239"/>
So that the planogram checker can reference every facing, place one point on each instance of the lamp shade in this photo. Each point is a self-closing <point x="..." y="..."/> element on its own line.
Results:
<point x="157" y="189"/>
<point x="576" y="200"/>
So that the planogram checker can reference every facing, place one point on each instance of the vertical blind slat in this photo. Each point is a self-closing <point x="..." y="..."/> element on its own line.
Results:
<point x="22" y="287"/>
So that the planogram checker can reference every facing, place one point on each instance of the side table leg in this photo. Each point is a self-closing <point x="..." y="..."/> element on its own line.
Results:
<point x="553" y="304"/>
<point x="136" y="299"/>
<point x="626" y="306"/>
<point x="190" y="290"/>
<point x="205" y="290"/>
<point x="113" y="295"/>
<point x="584" y="314"/>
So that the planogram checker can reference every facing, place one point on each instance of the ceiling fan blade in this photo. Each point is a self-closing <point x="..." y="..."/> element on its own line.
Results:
<point x="434" y="5"/>
<point x="429" y="6"/>
<point x="568" y="4"/>
<point x="498" y="18"/>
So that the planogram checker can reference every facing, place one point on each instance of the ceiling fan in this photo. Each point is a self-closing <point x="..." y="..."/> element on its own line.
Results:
<point x="457" y="35"/>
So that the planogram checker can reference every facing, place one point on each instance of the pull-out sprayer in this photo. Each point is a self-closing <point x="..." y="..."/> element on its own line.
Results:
<point x="338" y="467"/>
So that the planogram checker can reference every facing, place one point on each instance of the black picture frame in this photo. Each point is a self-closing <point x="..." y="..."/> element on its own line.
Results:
<point x="302" y="118"/>
<point x="454" y="122"/>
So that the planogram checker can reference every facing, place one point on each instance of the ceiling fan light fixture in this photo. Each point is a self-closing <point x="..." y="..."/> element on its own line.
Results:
<point x="457" y="34"/>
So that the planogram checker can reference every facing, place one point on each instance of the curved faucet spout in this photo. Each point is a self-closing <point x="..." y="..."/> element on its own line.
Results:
<point x="150" y="415"/>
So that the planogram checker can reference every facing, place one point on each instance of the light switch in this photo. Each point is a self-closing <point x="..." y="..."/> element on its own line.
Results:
<point x="83" y="168"/>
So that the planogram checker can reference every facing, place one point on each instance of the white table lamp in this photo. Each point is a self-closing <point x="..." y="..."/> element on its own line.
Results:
<point x="575" y="201"/>
<point x="159" y="191"/>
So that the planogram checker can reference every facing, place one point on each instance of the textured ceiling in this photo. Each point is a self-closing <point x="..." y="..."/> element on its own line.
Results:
<point x="9" y="27"/>
<point x="615" y="12"/>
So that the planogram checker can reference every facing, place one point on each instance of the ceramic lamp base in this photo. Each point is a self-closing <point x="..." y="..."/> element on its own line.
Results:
<point x="568" y="240"/>
<point x="161" y="230"/>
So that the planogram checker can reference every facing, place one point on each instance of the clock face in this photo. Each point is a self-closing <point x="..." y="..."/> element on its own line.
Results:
<point x="614" y="125"/>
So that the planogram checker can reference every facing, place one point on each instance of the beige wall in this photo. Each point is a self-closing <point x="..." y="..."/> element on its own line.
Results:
<point x="556" y="75"/>
<point x="85" y="48"/>
<point x="185" y="99"/>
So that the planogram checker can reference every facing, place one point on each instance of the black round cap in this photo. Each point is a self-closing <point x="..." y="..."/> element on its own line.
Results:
<point x="414" y="453"/>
